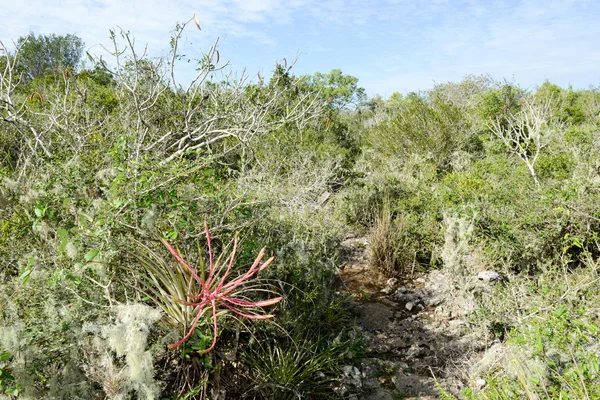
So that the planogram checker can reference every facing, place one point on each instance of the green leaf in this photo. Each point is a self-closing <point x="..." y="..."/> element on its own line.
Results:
<point x="5" y="356"/>
<point x="63" y="244"/>
<point x="39" y="212"/>
<point x="90" y="255"/>
<point x="25" y="276"/>
<point x="75" y="279"/>
<point x="83" y="217"/>
<point x="534" y="380"/>
<point x="63" y="232"/>
<point x="539" y="344"/>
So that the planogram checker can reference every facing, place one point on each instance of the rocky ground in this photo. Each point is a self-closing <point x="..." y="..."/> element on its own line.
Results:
<point x="417" y="334"/>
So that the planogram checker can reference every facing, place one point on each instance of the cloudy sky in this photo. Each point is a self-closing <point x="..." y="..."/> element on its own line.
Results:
<point x="390" y="45"/>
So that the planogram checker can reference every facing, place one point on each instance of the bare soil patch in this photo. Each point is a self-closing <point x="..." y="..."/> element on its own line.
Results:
<point x="417" y="337"/>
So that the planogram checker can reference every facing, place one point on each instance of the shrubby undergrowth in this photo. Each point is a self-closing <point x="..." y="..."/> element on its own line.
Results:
<point x="514" y="190"/>
<point x="98" y="165"/>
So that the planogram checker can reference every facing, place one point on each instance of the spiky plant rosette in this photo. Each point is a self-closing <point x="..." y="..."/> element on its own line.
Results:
<point x="189" y="297"/>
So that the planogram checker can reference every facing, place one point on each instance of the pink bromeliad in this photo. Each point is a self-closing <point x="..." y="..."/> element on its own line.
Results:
<point x="216" y="292"/>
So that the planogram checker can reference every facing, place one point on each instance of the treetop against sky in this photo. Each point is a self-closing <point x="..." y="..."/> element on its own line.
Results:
<point x="389" y="45"/>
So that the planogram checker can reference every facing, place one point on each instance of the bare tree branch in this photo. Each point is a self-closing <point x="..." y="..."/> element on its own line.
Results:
<point x="527" y="131"/>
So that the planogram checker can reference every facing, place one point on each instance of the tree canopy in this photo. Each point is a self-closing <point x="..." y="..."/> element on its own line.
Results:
<point x="339" y="90"/>
<point x="44" y="53"/>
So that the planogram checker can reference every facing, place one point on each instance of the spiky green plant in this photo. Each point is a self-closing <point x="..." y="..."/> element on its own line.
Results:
<point x="302" y="371"/>
<point x="189" y="297"/>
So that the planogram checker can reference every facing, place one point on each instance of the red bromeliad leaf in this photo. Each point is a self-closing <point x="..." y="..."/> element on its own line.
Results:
<point x="213" y="296"/>
<point x="246" y="303"/>
<point x="215" y="330"/>
<point x="181" y="261"/>
<point x="194" y="323"/>
<point x="185" y="303"/>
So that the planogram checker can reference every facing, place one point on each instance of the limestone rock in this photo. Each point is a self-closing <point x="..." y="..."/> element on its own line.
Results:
<point x="489" y="276"/>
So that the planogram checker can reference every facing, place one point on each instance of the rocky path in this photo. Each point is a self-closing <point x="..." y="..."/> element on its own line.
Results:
<point x="417" y="337"/>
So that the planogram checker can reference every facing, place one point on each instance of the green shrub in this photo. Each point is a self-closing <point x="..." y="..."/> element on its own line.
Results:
<point x="557" y="327"/>
<point x="429" y="126"/>
<point x="555" y="166"/>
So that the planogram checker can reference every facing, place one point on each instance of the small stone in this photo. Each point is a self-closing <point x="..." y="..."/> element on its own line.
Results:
<point x="371" y="383"/>
<point x="387" y="290"/>
<point x="392" y="281"/>
<point x="489" y="276"/>
<point x="480" y="383"/>
<point x="409" y="306"/>
<point x="402" y="294"/>
<point x="420" y="307"/>
<point x="408" y="297"/>
<point x="420" y="280"/>
<point x="403" y="366"/>
<point x="433" y="301"/>
<point x="352" y="376"/>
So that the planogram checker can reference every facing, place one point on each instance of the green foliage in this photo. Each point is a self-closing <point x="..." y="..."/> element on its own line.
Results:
<point x="421" y="124"/>
<point x="95" y="166"/>
<point x="99" y="88"/>
<point x="568" y="107"/>
<point x="338" y="90"/>
<point x="559" y="165"/>
<point x="560" y="331"/>
<point x="578" y="137"/>
<point x="498" y="102"/>
<point x="46" y="53"/>
<point x="291" y="372"/>
<point x="7" y="381"/>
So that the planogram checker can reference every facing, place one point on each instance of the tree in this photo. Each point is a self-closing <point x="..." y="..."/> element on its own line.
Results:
<point x="337" y="89"/>
<point x="44" y="53"/>
<point x="527" y="131"/>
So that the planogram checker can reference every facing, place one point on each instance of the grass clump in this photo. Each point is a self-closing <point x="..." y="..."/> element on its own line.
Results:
<point x="391" y="252"/>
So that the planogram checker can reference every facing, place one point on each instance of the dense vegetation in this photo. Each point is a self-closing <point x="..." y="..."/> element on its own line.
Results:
<point x="103" y="165"/>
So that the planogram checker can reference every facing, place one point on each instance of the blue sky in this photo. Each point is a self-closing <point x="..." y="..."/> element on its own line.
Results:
<point x="389" y="45"/>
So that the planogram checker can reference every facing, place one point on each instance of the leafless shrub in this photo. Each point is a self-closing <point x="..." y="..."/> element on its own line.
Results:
<point x="527" y="131"/>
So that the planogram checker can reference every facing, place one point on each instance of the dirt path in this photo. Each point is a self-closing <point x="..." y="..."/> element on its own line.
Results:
<point x="416" y="335"/>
